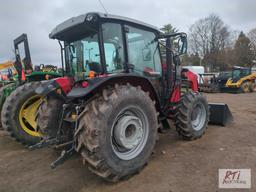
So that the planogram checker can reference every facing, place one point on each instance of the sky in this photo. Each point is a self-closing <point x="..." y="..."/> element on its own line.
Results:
<point x="38" y="17"/>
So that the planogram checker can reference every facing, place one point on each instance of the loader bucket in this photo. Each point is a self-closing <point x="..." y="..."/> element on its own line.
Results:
<point x="220" y="114"/>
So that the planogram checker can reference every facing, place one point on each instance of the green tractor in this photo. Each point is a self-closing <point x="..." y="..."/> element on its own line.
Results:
<point x="18" y="102"/>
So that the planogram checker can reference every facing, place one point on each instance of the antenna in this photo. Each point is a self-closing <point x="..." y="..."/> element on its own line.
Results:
<point x="103" y="6"/>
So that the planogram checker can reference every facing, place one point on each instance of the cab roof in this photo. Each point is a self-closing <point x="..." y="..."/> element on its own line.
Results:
<point x="94" y="17"/>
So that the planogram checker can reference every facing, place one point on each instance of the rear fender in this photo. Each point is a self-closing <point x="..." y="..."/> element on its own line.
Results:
<point x="96" y="85"/>
<point x="64" y="84"/>
<point x="191" y="77"/>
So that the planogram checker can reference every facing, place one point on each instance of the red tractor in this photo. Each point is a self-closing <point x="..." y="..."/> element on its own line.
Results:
<point x="117" y="94"/>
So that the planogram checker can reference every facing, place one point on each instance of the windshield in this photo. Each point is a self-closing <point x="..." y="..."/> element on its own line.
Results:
<point x="239" y="73"/>
<point x="143" y="50"/>
<point x="236" y="74"/>
<point x="113" y="47"/>
<point x="83" y="56"/>
<point x="246" y="72"/>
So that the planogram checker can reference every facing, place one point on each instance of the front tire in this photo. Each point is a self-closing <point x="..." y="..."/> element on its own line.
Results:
<point x="118" y="131"/>
<point x="192" y="116"/>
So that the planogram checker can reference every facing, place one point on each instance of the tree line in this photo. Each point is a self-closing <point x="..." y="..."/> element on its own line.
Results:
<point x="211" y="43"/>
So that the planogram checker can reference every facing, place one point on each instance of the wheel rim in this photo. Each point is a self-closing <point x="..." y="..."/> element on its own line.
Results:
<point x="129" y="133"/>
<point x="27" y="115"/>
<point x="198" y="116"/>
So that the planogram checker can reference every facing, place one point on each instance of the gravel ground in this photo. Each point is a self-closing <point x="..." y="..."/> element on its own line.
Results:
<point x="175" y="166"/>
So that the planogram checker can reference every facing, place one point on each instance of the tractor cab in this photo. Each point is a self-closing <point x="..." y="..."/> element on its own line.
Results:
<point x="106" y="44"/>
<point x="241" y="81"/>
<point x="240" y="72"/>
<point x="101" y="45"/>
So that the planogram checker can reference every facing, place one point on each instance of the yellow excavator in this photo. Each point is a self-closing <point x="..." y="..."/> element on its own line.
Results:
<point x="11" y="70"/>
<point x="6" y="65"/>
<point x="243" y="80"/>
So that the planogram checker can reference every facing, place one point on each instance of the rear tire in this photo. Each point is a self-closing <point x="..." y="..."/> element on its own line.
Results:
<point x="101" y="135"/>
<point x="3" y="98"/>
<point x="253" y="87"/>
<point x="245" y="87"/>
<point x="12" y="120"/>
<point x="192" y="116"/>
<point x="48" y="117"/>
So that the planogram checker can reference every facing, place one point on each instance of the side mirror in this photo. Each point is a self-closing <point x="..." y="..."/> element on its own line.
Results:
<point x="182" y="45"/>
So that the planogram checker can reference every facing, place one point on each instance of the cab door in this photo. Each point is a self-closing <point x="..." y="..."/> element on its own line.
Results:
<point x="144" y="55"/>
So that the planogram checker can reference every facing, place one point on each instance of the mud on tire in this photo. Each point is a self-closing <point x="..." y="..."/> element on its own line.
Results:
<point x="48" y="116"/>
<point x="192" y="116"/>
<point x="3" y="98"/>
<point x="105" y="119"/>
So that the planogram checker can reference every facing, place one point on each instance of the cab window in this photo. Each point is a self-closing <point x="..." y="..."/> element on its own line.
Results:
<point x="236" y="74"/>
<point x="113" y="47"/>
<point x="84" y="56"/>
<point x="143" y="50"/>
